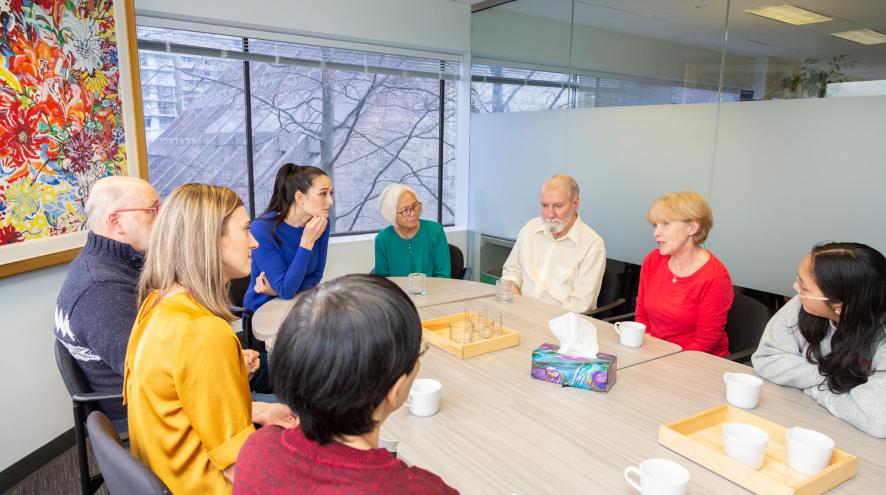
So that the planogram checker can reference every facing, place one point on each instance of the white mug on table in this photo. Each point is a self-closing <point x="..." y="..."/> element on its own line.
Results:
<point x="658" y="477"/>
<point x="630" y="333"/>
<point x="424" y="397"/>
<point x="742" y="389"/>
<point x="745" y="443"/>
<point x="808" y="451"/>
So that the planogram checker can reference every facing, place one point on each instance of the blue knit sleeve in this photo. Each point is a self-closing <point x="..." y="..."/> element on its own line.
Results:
<point x="284" y="277"/>
<point x="321" y="247"/>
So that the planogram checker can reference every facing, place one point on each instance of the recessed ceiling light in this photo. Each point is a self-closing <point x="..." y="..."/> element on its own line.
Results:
<point x="789" y="14"/>
<point x="863" y="36"/>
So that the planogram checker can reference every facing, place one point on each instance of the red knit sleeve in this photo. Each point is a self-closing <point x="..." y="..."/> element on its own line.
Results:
<point x="640" y="309"/>
<point x="713" y="306"/>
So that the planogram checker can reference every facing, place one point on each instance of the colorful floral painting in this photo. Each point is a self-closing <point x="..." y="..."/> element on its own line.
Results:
<point x="61" y="122"/>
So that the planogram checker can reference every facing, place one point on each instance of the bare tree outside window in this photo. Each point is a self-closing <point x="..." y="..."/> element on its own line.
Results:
<point x="366" y="129"/>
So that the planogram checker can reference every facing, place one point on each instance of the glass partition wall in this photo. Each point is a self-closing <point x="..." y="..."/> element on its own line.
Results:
<point x="554" y="54"/>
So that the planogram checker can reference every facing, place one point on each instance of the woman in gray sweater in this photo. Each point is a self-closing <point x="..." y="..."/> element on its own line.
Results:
<point x="830" y="340"/>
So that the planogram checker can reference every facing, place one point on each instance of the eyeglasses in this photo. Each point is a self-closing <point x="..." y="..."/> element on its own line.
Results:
<point x="424" y="348"/>
<point x="153" y="209"/>
<point x="413" y="208"/>
<point x="804" y="296"/>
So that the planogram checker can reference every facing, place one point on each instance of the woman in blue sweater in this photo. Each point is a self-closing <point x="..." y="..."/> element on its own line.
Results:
<point x="293" y="235"/>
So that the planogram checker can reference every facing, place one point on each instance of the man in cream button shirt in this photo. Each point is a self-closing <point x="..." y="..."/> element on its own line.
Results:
<point x="557" y="258"/>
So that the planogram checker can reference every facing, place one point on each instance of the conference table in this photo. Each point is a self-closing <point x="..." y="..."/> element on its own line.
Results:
<point x="266" y="320"/>
<point x="500" y="431"/>
<point x="567" y="440"/>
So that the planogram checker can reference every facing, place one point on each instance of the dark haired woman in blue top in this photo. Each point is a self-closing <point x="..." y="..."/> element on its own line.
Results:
<point x="293" y="236"/>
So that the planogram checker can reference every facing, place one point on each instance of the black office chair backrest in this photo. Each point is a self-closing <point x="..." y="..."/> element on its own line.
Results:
<point x="456" y="263"/>
<point x="122" y="472"/>
<point x="610" y="289"/>
<point x="745" y="323"/>
<point x="237" y="290"/>
<point x="72" y="375"/>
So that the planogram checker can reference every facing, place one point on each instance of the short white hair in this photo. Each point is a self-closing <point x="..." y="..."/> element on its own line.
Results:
<point x="387" y="202"/>
<point x="110" y="193"/>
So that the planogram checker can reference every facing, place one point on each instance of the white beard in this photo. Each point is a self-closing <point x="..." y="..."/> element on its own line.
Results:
<point x="556" y="226"/>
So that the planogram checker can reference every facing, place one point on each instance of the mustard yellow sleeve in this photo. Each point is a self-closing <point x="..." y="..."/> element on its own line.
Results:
<point x="213" y="387"/>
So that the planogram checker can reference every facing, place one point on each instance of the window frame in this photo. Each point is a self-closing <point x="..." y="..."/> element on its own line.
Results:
<point x="245" y="35"/>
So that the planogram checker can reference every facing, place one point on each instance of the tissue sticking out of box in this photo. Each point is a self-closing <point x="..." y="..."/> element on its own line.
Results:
<point x="578" y="337"/>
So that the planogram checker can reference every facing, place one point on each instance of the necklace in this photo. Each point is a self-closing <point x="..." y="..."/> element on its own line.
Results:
<point x="674" y="280"/>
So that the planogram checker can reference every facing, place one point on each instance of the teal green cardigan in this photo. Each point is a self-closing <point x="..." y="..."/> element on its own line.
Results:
<point x="427" y="252"/>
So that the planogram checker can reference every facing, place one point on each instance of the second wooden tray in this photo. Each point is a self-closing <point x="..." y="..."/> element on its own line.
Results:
<point x="436" y="332"/>
<point x="700" y="438"/>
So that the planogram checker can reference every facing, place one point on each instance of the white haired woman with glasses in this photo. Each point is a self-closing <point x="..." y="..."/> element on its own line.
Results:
<point x="409" y="244"/>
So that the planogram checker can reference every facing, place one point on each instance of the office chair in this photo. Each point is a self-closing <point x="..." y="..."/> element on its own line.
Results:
<point x="610" y="296"/>
<point x="84" y="401"/>
<point x="237" y="291"/>
<point x="123" y="473"/>
<point x="458" y="270"/>
<point x="744" y="326"/>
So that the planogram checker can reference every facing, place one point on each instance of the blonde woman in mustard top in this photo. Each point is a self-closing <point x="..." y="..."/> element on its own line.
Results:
<point x="186" y="380"/>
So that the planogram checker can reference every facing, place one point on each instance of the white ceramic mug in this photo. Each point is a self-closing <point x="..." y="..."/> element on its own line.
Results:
<point x="745" y="443"/>
<point x="742" y="389"/>
<point x="424" y="397"/>
<point x="416" y="284"/>
<point x="808" y="451"/>
<point x="630" y="333"/>
<point x="658" y="477"/>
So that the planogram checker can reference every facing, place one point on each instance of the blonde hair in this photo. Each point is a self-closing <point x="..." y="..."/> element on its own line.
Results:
<point x="685" y="206"/>
<point x="387" y="202"/>
<point x="185" y="246"/>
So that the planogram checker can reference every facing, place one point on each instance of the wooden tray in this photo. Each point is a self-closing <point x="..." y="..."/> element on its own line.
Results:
<point x="436" y="332"/>
<point x="700" y="438"/>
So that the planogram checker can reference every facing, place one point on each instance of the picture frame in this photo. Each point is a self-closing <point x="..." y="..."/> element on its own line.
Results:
<point x="61" y="247"/>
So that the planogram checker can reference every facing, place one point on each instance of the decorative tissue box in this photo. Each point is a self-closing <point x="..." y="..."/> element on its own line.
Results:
<point x="596" y="374"/>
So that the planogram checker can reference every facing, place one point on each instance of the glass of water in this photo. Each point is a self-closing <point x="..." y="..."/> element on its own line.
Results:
<point x="504" y="290"/>
<point x="417" y="284"/>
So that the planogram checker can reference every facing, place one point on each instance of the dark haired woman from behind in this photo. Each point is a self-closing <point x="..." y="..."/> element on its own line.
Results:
<point x="830" y="340"/>
<point x="293" y="236"/>
<point x="345" y="359"/>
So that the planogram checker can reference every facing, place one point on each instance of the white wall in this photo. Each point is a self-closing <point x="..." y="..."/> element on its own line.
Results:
<point x="423" y="24"/>
<point x="782" y="176"/>
<point x="36" y="408"/>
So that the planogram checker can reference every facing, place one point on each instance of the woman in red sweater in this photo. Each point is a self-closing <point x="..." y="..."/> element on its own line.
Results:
<point x="345" y="359"/>
<point x="685" y="292"/>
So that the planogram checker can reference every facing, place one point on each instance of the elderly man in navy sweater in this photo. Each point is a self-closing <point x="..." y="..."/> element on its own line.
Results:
<point x="98" y="302"/>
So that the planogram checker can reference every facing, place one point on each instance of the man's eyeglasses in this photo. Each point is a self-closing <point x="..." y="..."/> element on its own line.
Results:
<point x="153" y="209"/>
<point x="413" y="208"/>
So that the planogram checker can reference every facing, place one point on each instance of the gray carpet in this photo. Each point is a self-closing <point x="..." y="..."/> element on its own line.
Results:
<point x="59" y="477"/>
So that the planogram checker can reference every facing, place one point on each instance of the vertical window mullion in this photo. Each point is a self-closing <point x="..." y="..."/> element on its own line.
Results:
<point x="442" y="133"/>
<point x="247" y="95"/>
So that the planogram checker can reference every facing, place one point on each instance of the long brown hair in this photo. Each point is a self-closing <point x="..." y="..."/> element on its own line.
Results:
<point x="184" y="247"/>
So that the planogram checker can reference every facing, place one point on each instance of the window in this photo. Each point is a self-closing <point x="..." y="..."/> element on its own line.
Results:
<point x="367" y="119"/>
<point x="499" y="88"/>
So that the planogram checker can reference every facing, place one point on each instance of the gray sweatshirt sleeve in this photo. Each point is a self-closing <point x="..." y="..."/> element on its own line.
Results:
<point x="864" y="407"/>
<point x="780" y="357"/>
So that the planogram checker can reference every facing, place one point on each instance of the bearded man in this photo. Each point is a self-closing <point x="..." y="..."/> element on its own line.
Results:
<point x="558" y="258"/>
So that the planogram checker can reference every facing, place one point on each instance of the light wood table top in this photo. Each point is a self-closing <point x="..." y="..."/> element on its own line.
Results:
<point x="476" y="386"/>
<point x="566" y="440"/>
<point x="446" y="290"/>
<point x="266" y="321"/>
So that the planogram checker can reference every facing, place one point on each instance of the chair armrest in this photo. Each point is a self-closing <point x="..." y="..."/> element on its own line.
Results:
<point x="624" y="317"/>
<point x="606" y="307"/>
<point x="96" y="396"/>
<point x="741" y="356"/>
